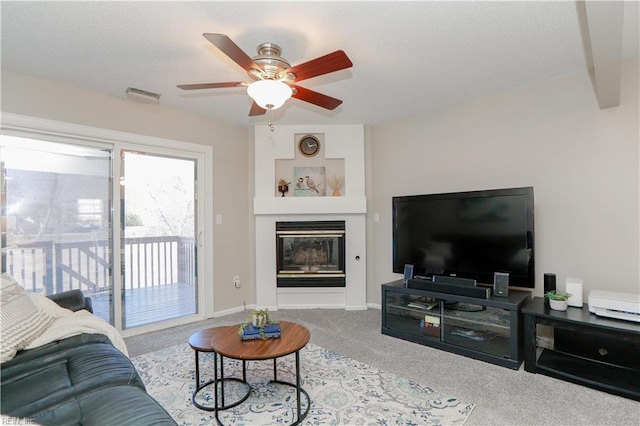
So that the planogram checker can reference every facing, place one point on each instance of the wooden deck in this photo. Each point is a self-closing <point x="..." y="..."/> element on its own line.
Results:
<point x="152" y="304"/>
<point x="161" y="271"/>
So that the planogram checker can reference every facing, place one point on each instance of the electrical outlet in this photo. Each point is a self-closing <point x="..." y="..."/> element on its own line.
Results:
<point x="236" y="281"/>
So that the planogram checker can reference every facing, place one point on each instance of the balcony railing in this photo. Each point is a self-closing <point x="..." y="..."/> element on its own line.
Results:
<point x="47" y="267"/>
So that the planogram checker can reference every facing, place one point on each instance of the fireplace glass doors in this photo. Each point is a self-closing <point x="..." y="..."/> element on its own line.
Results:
<point x="310" y="254"/>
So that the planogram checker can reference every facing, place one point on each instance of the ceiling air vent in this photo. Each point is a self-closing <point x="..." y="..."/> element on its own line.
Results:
<point x="143" y="95"/>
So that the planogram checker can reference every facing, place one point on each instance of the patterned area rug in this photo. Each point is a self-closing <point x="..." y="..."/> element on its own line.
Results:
<point x="342" y="391"/>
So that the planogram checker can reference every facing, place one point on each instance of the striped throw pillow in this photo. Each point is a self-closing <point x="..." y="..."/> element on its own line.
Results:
<point x="21" y="321"/>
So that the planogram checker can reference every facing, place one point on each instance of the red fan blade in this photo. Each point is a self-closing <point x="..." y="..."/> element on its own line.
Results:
<point x="256" y="110"/>
<point x="316" y="98"/>
<point x="198" y="86"/>
<point x="331" y="62"/>
<point x="232" y="50"/>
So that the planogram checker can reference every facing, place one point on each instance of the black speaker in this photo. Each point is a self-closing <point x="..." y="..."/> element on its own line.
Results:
<point x="500" y="284"/>
<point x="549" y="282"/>
<point x="408" y="274"/>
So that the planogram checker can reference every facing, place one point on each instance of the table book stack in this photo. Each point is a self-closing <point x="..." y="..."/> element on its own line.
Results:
<point x="432" y="325"/>
<point x="271" y="331"/>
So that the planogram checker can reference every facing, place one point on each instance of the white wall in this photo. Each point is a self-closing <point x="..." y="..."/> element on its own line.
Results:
<point x="583" y="163"/>
<point x="231" y="253"/>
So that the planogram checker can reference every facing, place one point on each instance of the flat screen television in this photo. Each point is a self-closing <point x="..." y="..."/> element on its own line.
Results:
<point x="467" y="235"/>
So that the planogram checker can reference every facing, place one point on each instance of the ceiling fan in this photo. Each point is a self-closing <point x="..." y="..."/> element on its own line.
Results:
<point x="273" y="79"/>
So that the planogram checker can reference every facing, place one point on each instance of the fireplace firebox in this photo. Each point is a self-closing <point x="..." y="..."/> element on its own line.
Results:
<point x="310" y="254"/>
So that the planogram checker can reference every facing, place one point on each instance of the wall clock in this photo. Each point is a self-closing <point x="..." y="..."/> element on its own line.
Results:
<point x="309" y="145"/>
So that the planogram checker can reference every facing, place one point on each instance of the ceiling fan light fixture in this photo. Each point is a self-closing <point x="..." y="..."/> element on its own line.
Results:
<point x="269" y="94"/>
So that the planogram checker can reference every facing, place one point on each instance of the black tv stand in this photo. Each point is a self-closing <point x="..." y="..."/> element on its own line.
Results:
<point x="488" y="329"/>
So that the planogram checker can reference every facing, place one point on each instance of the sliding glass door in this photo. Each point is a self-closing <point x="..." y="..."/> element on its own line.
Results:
<point x="60" y="230"/>
<point x="56" y="218"/>
<point x="158" y="243"/>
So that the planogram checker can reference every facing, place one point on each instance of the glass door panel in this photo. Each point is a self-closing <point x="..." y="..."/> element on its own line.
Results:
<point x="158" y="240"/>
<point x="56" y="219"/>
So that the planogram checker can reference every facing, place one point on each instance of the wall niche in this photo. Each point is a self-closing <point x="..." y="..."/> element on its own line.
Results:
<point x="310" y="175"/>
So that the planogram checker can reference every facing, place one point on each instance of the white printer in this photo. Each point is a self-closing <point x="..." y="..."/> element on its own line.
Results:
<point x="612" y="304"/>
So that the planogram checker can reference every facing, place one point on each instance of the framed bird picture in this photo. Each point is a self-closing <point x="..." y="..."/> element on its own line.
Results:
<point x="309" y="182"/>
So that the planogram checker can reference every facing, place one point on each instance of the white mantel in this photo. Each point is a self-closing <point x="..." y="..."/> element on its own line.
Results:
<point x="340" y="142"/>
<point x="304" y="205"/>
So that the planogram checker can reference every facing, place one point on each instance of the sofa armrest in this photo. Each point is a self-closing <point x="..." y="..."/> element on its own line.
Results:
<point x="73" y="300"/>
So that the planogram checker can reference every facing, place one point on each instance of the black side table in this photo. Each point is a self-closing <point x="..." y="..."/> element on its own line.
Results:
<point x="603" y="353"/>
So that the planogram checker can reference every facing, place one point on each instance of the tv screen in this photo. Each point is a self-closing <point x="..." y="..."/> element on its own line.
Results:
<point x="466" y="234"/>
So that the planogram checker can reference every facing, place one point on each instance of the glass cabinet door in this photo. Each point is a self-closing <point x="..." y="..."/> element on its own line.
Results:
<point x="419" y="316"/>
<point x="477" y="327"/>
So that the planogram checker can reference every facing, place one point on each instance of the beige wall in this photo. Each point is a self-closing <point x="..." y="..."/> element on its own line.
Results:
<point x="232" y="240"/>
<point x="583" y="163"/>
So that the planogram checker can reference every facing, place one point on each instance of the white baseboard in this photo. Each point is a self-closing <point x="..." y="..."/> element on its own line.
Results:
<point x="232" y="311"/>
<point x="275" y="308"/>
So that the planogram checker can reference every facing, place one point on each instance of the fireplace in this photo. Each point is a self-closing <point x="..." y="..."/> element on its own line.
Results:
<point x="310" y="254"/>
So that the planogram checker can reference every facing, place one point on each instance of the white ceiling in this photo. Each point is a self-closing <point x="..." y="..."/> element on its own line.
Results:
<point x="409" y="57"/>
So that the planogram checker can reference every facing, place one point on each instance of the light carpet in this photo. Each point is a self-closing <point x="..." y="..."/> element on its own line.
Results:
<point x="342" y="391"/>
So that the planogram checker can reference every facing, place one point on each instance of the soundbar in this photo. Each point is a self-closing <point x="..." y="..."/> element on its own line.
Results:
<point x="458" y="290"/>
<point x="463" y="282"/>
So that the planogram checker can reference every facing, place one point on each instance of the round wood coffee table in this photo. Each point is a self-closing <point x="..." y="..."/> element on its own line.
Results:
<point x="226" y="342"/>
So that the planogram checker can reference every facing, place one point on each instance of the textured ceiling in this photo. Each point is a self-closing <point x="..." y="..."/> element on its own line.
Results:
<point x="409" y="57"/>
